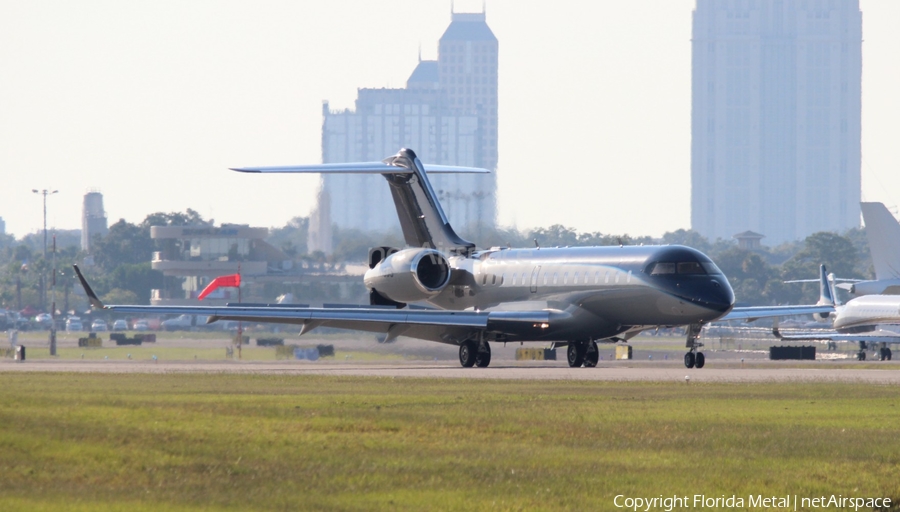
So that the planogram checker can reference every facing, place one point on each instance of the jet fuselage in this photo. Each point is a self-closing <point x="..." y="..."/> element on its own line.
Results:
<point x="866" y="312"/>
<point x="591" y="292"/>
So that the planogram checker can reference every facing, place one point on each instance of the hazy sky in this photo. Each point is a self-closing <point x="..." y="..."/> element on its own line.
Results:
<point x="150" y="102"/>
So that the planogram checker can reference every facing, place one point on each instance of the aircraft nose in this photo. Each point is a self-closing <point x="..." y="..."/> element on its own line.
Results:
<point x="717" y="295"/>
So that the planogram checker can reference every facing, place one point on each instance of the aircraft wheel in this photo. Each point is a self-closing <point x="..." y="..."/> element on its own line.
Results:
<point x="881" y="354"/>
<point x="592" y="356"/>
<point x="699" y="360"/>
<point x="467" y="353"/>
<point x="483" y="357"/>
<point x="689" y="360"/>
<point x="575" y="354"/>
<point x="861" y="356"/>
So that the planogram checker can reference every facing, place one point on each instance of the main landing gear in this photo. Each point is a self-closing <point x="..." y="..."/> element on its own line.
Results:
<point x="861" y="355"/>
<point x="583" y="353"/>
<point x="885" y="353"/>
<point x="474" y="353"/>
<point x="694" y="358"/>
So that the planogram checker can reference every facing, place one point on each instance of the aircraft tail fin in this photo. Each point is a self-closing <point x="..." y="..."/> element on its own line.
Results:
<point x="826" y="288"/>
<point x="883" y="232"/>
<point x="422" y="219"/>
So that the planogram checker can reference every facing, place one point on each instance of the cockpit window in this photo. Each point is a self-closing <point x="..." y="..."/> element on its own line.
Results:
<point x="662" y="268"/>
<point x="683" y="268"/>
<point x="711" y="268"/>
<point x="690" y="267"/>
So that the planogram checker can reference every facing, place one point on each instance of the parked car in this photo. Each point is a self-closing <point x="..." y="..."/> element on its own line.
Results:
<point x="74" y="324"/>
<point x="99" y="325"/>
<point x="120" y="325"/>
<point x="180" y="323"/>
<point x="141" y="325"/>
<point x="43" y="320"/>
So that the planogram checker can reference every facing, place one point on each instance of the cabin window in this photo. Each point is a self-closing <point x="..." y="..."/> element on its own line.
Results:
<point x="607" y="277"/>
<point x="484" y="279"/>
<point x="597" y="277"/>
<point x="514" y="278"/>
<point x="566" y="278"/>
<point x="502" y="278"/>
<point x="555" y="278"/>
<point x="546" y="276"/>
<point x="575" y="278"/>
<point x="493" y="279"/>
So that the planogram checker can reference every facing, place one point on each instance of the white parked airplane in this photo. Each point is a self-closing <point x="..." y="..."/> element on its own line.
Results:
<point x="861" y="320"/>
<point x="573" y="297"/>
<point x="883" y="233"/>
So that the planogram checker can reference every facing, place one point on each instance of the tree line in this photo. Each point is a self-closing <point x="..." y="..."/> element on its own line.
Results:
<point x="120" y="270"/>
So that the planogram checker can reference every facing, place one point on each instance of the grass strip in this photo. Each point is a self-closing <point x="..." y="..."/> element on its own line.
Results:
<point x="281" y="442"/>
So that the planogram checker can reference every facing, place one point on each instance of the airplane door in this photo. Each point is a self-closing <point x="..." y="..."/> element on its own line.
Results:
<point x="534" y="278"/>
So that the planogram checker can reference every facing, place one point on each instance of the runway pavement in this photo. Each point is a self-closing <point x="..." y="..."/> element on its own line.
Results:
<point x="503" y="370"/>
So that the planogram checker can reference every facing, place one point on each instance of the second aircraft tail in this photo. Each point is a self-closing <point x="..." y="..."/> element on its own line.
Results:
<point x="883" y="232"/>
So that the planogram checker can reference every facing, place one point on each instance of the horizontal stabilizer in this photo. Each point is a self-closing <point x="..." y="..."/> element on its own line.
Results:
<point x="362" y="168"/>
<point x="422" y="220"/>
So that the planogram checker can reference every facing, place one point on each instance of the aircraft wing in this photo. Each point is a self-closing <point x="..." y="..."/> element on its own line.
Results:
<point x="868" y="337"/>
<point x="756" y="312"/>
<point x="439" y="325"/>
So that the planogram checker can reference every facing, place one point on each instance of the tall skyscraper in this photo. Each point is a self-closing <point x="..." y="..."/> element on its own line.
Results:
<point x="93" y="219"/>
<point x="775" y="121"/>
<point x="447" y="114"/>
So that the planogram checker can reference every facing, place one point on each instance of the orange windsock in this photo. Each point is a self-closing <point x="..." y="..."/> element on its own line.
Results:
<point x="234" y="280"/>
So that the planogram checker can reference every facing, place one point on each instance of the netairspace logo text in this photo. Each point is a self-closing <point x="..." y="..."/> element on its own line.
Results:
<point x="785" y="502"/>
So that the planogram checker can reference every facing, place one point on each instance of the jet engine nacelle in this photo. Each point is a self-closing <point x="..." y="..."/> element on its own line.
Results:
<point x="410" y="275"/>
<point x="821" y="317"/>
<point x="881" y="287"/>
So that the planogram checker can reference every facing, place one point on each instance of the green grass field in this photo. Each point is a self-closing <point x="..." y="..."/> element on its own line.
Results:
<point x="238" y="442"/>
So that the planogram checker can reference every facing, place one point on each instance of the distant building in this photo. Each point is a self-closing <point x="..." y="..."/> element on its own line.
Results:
<point x="775" y="122"/>
<point x="2" y="226"/>
<point x="199" y="254"/>
<point x="93" y="219"/>
<point x="749" y="241"/>
<point x="196" y="255"/>
<point x="321" y="239"/>
<point x="447" y="114"/>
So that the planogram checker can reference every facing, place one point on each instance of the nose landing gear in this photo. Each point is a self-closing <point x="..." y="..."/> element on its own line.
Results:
<point x="694" y="358"/>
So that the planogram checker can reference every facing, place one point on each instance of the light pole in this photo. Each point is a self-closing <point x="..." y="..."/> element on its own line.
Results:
<point x="45" y="192"/>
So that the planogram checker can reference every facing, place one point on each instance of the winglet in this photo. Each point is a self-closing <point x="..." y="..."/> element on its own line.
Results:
<point x="95" y="301"/>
